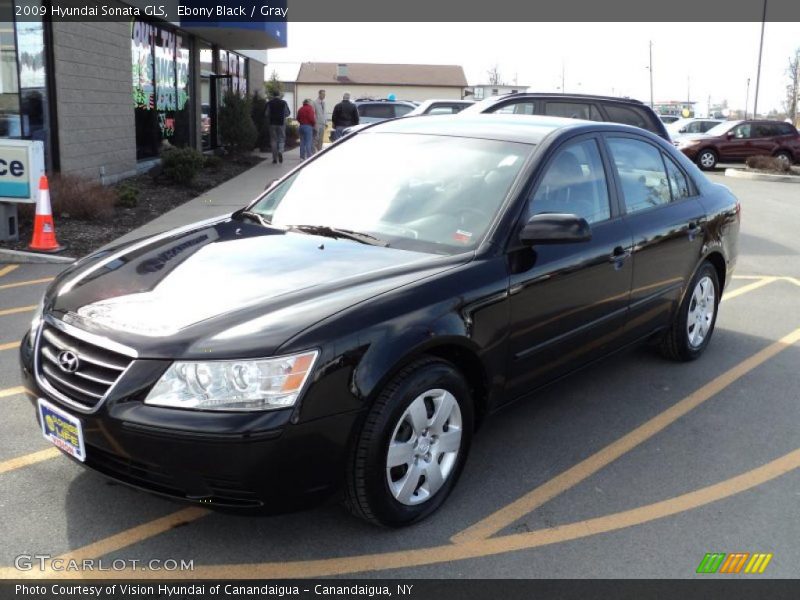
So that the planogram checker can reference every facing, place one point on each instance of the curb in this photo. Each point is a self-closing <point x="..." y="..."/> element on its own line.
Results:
<point x="19" y="256"/>
<point x="740" y="174"/>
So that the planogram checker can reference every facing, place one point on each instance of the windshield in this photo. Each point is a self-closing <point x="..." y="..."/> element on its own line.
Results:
<point x="418" y="192"/>
<point x="722" y="128"/>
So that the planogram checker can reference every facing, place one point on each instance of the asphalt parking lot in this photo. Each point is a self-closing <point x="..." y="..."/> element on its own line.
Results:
<point x="636" y="467"/>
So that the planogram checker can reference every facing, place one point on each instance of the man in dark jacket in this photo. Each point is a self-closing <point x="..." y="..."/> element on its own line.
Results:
<point x="345" y="114"/>
<point x="276" y="112"/>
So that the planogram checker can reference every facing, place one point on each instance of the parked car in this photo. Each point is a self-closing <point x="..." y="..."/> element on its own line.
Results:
<point x="735" y="141"/>
<point x="440" y="107"/>
<point x="694" y="126"/>
<point x="669" y="119"/>
<point x="374" y="111"/>
<point x="574" y="106"/>
<point x="354" y="336"/>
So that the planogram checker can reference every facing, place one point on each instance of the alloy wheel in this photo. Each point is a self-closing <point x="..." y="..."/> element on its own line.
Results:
<point x="707" y="160"/>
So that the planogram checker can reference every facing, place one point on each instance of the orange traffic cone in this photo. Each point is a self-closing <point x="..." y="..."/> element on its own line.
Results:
<point x="44" y="232"/>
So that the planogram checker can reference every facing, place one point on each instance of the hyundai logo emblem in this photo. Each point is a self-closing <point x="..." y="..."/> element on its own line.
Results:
<point x="68" y="361"/>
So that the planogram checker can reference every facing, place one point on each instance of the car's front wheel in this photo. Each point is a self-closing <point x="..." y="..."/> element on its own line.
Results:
<point x="784" y="156"/>
<point x="707" y="159"/>
<point x="412" y="445"/>
<point x="693" y="323"/>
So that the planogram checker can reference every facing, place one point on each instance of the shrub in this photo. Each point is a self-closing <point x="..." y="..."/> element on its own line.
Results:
<point x="768" y="163"/>
<point x="236" y="124"/>
<point x="127" y="196"/>
<point x="182" y="165"/>
<point x="213" y="162"/>
<point x="260" y="119"/>
<point x="81" y="198"/>
<point x="292" y="134"/>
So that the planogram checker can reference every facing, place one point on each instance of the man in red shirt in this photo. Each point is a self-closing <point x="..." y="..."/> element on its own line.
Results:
<point x="307" y="118"/>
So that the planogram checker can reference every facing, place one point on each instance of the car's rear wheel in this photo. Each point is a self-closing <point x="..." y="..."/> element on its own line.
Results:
<point x="693" y="323"/>
<point x="412" y="446"/>
<point x="784" y="156"/>
<point x="707" y="159"/>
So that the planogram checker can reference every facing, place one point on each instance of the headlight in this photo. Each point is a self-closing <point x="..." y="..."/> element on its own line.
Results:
<point x="234" y="384"/>
<point x="686" y="143"/>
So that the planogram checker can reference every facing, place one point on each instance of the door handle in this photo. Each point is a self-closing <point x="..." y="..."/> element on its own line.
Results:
<point x="618" y="256"/>
<point x="693" y="230"/>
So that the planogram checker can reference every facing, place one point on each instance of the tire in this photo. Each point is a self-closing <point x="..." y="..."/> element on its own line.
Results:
<point x="707" y="159"/>
<point x="784" y="155"/>
<point x="693" y="323"/>
<point x="408" y="491"/>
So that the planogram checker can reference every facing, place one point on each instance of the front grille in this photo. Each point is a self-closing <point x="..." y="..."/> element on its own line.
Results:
<point x="98" y="368"/>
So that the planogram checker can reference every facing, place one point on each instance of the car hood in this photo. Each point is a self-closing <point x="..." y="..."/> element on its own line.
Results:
<point x="227" y="288"/>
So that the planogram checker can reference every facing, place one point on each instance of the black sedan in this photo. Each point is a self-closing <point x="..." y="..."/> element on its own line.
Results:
<point x="351" y="328"/>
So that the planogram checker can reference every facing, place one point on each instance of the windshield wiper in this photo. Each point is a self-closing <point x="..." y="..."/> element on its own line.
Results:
<point x="335" y="232"/>
<point x="249" y="214"/>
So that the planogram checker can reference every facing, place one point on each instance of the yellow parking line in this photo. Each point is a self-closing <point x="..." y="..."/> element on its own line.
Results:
<point x="478" y="548"/>
<point x="16" y="310"/>
<point x="749" y="288"/>
<point x="9" y="346"/>
<point x="22" y="283"/>
<point x="7" y="269"/>
<point x="28" y="459"/>
<point x="589" y="466"/>
<point x="14" y="391"/>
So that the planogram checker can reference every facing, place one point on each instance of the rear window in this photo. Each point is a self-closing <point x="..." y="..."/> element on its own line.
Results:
<point x="630" y="115"/>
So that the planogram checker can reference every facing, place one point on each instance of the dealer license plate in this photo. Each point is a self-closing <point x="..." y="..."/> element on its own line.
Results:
<point x="62" y="429"/>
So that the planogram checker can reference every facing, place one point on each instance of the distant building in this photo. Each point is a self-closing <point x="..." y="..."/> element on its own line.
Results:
<point x="372" y="80"/>
<point x="675" y="107"/>
<point x="487" y="90"/>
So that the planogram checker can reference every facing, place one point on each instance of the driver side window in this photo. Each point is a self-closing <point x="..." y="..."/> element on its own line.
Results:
<point x="575" y="183"/>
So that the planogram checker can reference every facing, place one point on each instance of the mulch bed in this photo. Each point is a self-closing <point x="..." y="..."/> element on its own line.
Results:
<point x="81" y="237"/>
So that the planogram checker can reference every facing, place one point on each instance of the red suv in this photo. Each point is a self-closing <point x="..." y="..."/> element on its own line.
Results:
<point x="735" y="141"/>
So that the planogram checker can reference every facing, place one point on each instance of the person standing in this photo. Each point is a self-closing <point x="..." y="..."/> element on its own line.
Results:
<point x="307" y="118"/>
<point x="277" y="110"/>
<point x="345" y="114"/>
<point x="319" y="113"/>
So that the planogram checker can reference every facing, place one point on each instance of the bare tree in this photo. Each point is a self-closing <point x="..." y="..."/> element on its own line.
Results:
<point x="793" y="87"/>
<point x="494" y="75"/>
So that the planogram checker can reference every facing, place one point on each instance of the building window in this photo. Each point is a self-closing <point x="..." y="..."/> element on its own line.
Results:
<point x="24" y="106"/>
<point x="161" y="88"/>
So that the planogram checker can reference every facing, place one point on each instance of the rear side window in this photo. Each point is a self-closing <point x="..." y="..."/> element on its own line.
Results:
<point x="630" y="115"/>
<point x="642" y="174"/>
<point x="402" y="109"/>
<point x="706" y="125"/>
<point x="572" y="110"/>
<point x="376" y="111"/>
<point x="575" y="183"/>
<point x="677" y="180"/>
<point x="786" y="129"/>
<point x="517" y="108"/>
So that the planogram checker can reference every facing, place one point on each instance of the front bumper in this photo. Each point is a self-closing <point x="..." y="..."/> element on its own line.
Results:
<point x="216" y="459"/>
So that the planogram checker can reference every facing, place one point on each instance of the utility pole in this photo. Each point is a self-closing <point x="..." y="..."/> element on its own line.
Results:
<point x="651" y="73"/>
<point x="747" y="98"/>
<point x="563" y="79"/>
<point x="760" y="50"/>
<point x="688" y="93"/>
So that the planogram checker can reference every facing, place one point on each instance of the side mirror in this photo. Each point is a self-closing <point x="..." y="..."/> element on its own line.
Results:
<point x="555" y="228"/>
<point x="729" y="135"/>
<point x="682" y="130"/>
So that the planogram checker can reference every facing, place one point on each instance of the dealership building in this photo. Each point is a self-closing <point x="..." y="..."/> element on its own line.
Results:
<point x="104" y="97"/>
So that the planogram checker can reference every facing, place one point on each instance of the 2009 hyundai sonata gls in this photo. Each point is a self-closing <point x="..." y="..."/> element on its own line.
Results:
<point x="350" y="328"/>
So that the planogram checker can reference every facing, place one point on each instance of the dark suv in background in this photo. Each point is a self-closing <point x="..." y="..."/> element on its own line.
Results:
<point x="736" y="141"/>
<point x="374" y="111"/>
<point x="574" y="106"/>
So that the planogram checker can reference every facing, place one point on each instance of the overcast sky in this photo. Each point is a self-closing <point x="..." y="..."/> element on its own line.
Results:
<point x="703" y="59"/>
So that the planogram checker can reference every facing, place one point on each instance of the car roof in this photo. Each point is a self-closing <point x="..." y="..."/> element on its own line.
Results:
<point x="528" y="129"/>
<point x="623" y="100"/>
